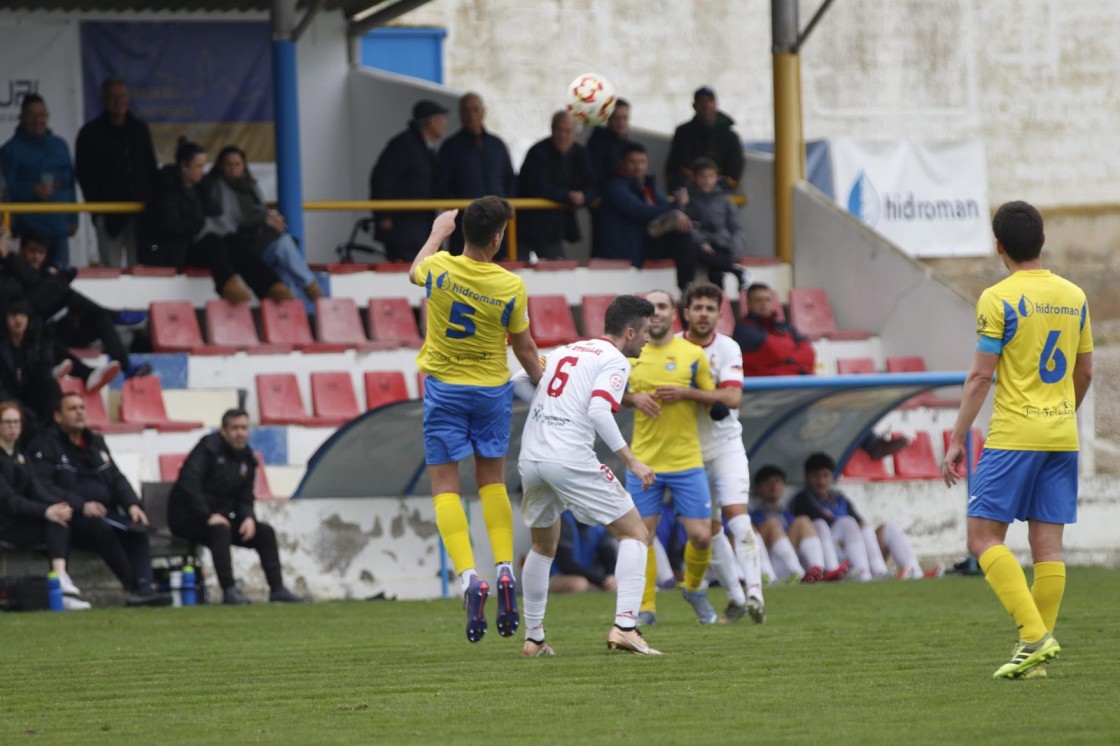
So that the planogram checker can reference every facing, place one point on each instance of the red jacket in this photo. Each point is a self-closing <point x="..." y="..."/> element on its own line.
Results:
<point x="773" y="348"/>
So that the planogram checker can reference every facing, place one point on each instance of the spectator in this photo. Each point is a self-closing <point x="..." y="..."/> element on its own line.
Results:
<point x="256" y="236"/>
<point x="29" y="515"/>
<point x="791" y="541"/>
<point x="37" y="168"/>
<point x="708" y="134"/>
<point x="406" y="169"/>
<point x="26" y="360"/>
<point x="604" y="147"/>
<point x="556" y="168"/>
<point x="771" y="346"/>
<point x="585" y="558"/>
<point x="76" y="321"/>
<point x="116" y="162"/>
<point x="716" y="229"/>
<point x="637" y="222"/>
<point x="212" y="504"/>
<point x="108" y="517"/>
<point x="473" y="163"/>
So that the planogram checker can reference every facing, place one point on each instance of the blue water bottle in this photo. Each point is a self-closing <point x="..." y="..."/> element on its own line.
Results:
<point x="188" y="592"/>
<point x="54" y="591"/>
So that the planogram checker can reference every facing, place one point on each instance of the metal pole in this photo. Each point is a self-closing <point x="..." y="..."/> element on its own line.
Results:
<point x="789" y="147"/>
<point x="285" y="93"/>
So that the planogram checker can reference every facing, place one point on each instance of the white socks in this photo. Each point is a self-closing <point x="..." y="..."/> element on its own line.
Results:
<point x="535" y="576"/>
<point x="828" y="544"/>
<point x="746" y="550"/>
<point x="465" y="579"/>
<point x="850" y="544"/>
<point x="630" y="576"/>
<point x="898" y="546"/>
<point x="768" y="572"/>
<point x="783" y="552"/>
<point x="812" y="551"/>
<point x="665" y="576"/>
<point x="874" y="553"/>
<point x="724" y="564"/>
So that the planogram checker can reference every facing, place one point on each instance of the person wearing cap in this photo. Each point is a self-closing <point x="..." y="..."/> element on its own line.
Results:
<point x="406" y="169"/>
<point x="708" y="134"/>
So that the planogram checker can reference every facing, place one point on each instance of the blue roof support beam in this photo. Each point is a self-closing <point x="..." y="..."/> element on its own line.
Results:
<point x="285" y="85"/>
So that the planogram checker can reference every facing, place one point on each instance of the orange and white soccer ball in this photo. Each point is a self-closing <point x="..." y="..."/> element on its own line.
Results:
<point x="591" y="99"/>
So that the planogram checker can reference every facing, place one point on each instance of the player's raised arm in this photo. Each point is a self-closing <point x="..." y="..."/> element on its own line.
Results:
<point x="442" y="227"/>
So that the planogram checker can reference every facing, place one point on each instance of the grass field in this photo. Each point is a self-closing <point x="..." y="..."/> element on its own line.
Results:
<point x="889" y="662"/>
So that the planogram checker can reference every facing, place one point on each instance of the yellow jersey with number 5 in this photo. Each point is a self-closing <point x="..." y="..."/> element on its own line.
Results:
<point x="1037" y="322"/>
<point x="471" y="306"/>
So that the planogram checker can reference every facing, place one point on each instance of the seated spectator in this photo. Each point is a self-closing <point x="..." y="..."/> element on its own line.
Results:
<point x="212" y="504"/>
<point x="74" y="319"/>
<point x="74" y="461"/>
<point x="555" y="168"/>
<point x="29" y="515"/>
<point x="706" y="135"/>
<point x="791" y="541"/>
<point x="604" y="146"/>
<point x="838" y="522"/>
<point x="26" y="360"/>
<point x="585" y="558"/>
<point x="257" y="234"/>
<point x="37" y="168"/>
<point x="715" y="224"/>
<point x="637" y="222"/>
<point x="116" y="162"/>
<point x="771" y="347"/>
<point x="406" y="169"/>
<point x="473" y="163"/>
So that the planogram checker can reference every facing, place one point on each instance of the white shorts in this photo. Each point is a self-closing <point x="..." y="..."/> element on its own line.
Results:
<point x="731" y="477"/>
<point x="591" y="491"/>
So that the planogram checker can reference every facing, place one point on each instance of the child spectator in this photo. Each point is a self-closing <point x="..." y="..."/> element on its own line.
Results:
<point x="716" y="229"/>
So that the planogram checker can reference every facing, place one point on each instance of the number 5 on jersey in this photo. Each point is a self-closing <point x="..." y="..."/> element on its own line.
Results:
<point x="461" y="316"/>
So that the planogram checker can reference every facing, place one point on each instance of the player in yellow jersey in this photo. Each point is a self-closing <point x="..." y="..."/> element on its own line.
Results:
<point x="1036" y="338"/>
<point x="667" y="381"/>
<point x="468" y="399"/>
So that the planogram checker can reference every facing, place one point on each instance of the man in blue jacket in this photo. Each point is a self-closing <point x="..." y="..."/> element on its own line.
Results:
<point x="37" y="168"/>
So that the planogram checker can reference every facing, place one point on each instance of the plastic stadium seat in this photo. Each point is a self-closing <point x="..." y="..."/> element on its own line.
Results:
<point x="811" y="314"/>
<point x="231" y="324"/>
<point x="142" y="404"/>
<point x="917" y="364"/>
<point x="281" y="403"/>
<point x="852" y="366"/>
<point x="550" y="320"/>
<point x="916" y="461"/>
<point x="284" y="322"/>
<point x="338" y="322"/>
<point x="174" y="327"/>
<point x="170" y="464"/>
<point x="332" y="396"/>
<point x="262" y="490"/>
<point x="97" y="418"/>
<point x="391" y="320"/>
<point x="862" y="466"/>
<point x="384" y="387"/>
<point x="592" y="312"/>
<point x="977" y="444"/>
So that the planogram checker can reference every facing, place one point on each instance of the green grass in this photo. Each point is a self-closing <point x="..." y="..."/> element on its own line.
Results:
<point x="885" y="662"/>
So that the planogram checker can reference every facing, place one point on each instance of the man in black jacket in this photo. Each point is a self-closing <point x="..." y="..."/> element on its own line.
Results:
<point x="709" y="135"/>
<point x="116" y="162"/>
<point x="108" y="517"/>
<point x="212" y="504"/>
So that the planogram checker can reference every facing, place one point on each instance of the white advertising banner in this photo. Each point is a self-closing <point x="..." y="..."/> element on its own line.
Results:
<point x="930" y="198"/>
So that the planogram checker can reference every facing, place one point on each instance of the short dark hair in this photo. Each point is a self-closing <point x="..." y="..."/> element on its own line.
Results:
<point x="66" y="395"/>
<point x="818" y="461"/>
<point x="28" y="99"/>
<point x="110" y="82"/>
<point x="626" y="312"/>
<point x="620" y="101"/>
<point x="485" y="218"/>
<point x="232" y="414"/>
<point x="768" y="471"/>
<point x="702" y="290"/>
<point x="631" y="146"/>
<point x="558" y="117"/>
<point x="18" y="305"/>
<point x="36" y="236"/>
<point x="185" y="150"/>
<point x="757" y="286"/>
<point x="704" y="163"/>
<point x="1018" y="227"/>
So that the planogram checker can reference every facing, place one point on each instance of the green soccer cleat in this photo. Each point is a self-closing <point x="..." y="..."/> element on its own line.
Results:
<point x="1029" y="656"/>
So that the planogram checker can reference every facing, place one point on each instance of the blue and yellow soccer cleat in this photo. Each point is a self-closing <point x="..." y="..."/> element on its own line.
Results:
<point x="1029" y="656"/>
<point x="508" y="618"/>
<point x="475" y="602"/>
<point x="705" y="613"/>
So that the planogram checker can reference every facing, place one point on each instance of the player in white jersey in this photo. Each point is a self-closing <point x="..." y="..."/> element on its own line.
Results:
<point x="721" y="441"/>
<point x="581" y="388"/>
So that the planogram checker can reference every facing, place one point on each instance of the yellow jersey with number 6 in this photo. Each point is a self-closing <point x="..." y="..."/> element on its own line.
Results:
<point x="1037" y="322"/>
<point x="471" y="306"/>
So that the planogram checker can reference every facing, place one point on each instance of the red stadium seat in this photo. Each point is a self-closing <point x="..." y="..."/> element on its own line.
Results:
<point x="851" y="366"/>
<point x="231" y="325"/>
<point x="391" y="320"/>
<point x="977" y="442"/>
<point x="384" y="387"/>
<point x="142" y="404"/>
<point x="285" y="323"/>
<point x="916" y="461"/>
<point x="556" y="265"/>
<point x="917" y="364"/>
<point x="592" y="312"/>
<point x="862" y="466"/>
<point x="338" y="322"/>
<point x="97" y="419"/>
<point x="175" y="328"/>
<point x="811" y="314"/>
<point x="281" y="403"/>
<point x="550" y="320"/>
<point x="170" y="464"/>
<point x="262" y="490"/>
<point x="332" y="396"/>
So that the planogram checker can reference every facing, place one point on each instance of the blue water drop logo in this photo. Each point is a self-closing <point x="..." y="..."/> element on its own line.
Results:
<point x="863" y="200"/>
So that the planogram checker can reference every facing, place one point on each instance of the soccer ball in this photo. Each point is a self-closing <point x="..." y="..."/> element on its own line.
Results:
<point x="591" y="99"/>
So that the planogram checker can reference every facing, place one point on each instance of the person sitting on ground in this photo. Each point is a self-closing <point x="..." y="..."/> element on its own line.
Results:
<point x="108" y="517"/>
<point x="74" y="319"/>
<point x="708" y="134"/>
<point x="716" y="228"/>
<point x="837" y="521"/>
<point x="585" y="558"/>
<point x="26" y="359"/>
<point x="29" y="515"/>
<point x="211" y="503"/>
<point x="254" y="231"/>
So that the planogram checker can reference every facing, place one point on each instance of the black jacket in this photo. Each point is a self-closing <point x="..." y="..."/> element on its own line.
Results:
<point x="214" y="479"/>
<point x="472" y="166"/>
<point x="80" y="473"/>
<point x="694" y="139"/>
<point x="548" y="174"/>
<point x="115" y="164"/>
<point x="172" y="217"/>
<point x="21" y="494"/>
<point x="46" y="288"/>
<point x="406" y="169"/>
<point x="604" y="149"/>
<point x="25" y="373"/>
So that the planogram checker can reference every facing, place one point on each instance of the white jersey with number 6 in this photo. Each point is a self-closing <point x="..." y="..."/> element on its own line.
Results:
<point x="558" y="427"/>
